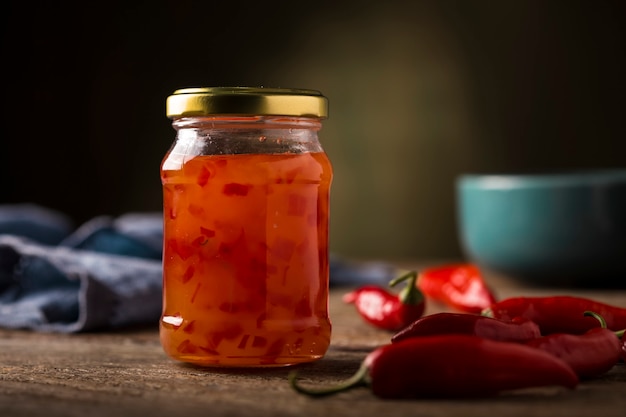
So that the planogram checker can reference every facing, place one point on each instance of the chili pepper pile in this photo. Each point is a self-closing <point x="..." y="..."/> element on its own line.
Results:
<point x="515" y="343"/>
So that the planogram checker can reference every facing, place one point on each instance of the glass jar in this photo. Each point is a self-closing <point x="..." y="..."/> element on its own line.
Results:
<point x="245" y="203"/>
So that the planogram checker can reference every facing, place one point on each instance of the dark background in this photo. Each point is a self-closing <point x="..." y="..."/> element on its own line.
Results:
<point x="420" y="92"/>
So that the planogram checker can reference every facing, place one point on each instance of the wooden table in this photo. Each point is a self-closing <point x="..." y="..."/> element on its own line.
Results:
<point x="127" y="374"/>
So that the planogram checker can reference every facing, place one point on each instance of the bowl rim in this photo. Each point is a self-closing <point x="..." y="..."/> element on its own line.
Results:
<point x="549" y="179"/>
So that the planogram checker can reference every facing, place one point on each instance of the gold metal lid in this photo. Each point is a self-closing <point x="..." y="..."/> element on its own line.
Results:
<point x="244" y="101"/>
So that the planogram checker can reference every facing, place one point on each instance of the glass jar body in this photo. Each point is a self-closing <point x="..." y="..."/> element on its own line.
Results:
<point x="245" y="255"/>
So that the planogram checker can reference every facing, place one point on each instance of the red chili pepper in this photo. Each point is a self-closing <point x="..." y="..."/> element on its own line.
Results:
<point x="620" y="336"/>
<point x="559" y="314"/>
<point x="590" y="354"/>
<point x="519" y="331"/>
<point x="452" y="366"/>
<point x="386" y="310"/>
<point x="460" y="286"/>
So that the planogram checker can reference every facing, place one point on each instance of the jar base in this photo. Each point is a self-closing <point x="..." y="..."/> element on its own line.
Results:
<point x="246" y="362"/>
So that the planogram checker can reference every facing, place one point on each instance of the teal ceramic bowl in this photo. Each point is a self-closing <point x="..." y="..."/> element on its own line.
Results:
<point x="548" y="229"/>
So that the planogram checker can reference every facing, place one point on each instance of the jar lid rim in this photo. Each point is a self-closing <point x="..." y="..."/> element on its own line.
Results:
<point x="203" y="101"/>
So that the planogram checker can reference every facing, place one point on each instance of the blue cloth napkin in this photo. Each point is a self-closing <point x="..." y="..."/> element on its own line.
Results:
<point x="105" y="274"/>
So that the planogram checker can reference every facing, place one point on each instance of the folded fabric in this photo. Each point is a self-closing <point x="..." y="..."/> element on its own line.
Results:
<point x="350" y="272"/>
<point x="41" y="224"/>
<point x="134" y="234"/>
<point x="106" y="274"/>
<point x="70" y="290"/>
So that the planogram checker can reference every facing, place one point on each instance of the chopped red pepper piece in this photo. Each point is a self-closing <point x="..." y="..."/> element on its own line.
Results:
<point x="459" y="286"/>
<point x="199" y="241"/>
<point x="187" y="347"/>
<point x="234" y="188"/>
<point x="181" y="249"/>
<point x="195" y="293"/>
<point x="189" y="327"/>
<point x="243" y="341"/>
<point x="386" y="310"/>
<point x="204" y="176"/>
<point x="259" y="342"/>
<point x="207" y="232"/>
<point x="452" y="366"/>
<point x="275" y="349"/>
<point x="188" y="274"/>
<point x="304" y="308"/>
<point x="196" y="210"/>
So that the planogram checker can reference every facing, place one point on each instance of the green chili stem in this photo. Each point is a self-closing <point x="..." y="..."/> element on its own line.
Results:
<point x="403" y="277"/>
<point x="619" y="333"/>
<point x="410" y="294"/>
<point x="597" y="317"/>
<point x="360" y="378"/>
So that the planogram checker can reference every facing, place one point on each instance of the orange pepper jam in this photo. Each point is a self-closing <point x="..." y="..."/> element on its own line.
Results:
<point x="245" y="261"/>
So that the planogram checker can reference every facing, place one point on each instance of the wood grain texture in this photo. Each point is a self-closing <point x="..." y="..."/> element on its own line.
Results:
<point x="127" y="374"/>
